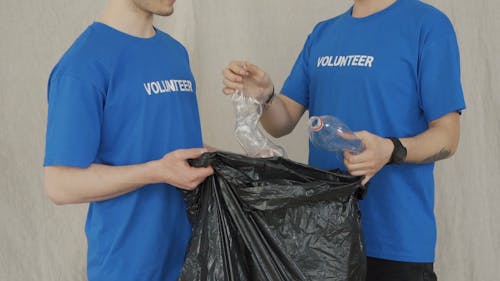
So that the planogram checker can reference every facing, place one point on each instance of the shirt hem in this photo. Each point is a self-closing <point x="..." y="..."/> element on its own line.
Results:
<point x="400" y="257"/>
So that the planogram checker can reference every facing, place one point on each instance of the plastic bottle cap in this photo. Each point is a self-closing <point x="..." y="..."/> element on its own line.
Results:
<point x="316" y="123"/>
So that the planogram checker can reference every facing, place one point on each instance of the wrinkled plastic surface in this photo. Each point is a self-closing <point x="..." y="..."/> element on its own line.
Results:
<point x="273" y="219"/>
<point x="330" y="133"/>
<point x="247" y="111"/>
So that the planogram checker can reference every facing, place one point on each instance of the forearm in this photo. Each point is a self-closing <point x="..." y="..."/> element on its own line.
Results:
<point x="281" y="116"/>
<point x="66" y="185"/>
<point x="438" y="142"/>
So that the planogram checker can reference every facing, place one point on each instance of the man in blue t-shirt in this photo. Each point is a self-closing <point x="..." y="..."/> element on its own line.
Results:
<point x="390" y="70"/>
<point x="122" y="123"/>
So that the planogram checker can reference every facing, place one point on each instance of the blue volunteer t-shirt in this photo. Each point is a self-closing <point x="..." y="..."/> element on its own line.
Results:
<point x="390" y="73"/>
<point x="116" y="99"/>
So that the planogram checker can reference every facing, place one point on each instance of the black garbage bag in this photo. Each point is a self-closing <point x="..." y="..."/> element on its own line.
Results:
<point x="273" y="219"/>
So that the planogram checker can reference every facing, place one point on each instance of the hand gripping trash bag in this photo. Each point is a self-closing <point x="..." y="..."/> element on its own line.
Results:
<point x="259" y="219"/>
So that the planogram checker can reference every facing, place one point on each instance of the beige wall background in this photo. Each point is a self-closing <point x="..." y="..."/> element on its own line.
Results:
<point x="39" y="241"/>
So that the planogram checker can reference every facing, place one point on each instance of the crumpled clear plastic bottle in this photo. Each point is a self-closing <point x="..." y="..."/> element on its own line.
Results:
<point x="248" y="111"/>
<point x="330" y="133"/>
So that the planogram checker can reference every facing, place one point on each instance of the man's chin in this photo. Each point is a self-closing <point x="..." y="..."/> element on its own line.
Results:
<point x="165" y="13"/>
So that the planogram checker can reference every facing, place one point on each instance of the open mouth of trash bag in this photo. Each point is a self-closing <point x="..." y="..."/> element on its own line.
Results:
<point x="273" y="219"/>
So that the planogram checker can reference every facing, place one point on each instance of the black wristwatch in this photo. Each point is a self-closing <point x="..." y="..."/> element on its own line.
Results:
<point x="398" y="155"/>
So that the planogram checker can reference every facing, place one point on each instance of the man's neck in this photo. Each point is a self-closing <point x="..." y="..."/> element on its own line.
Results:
<point x="128" y="18"/>
<point x="364" y="8"/>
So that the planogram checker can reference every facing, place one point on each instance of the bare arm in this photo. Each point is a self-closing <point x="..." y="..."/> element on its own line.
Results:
<point x="67" y="185"/>
<point x="280" y="116"/>
<point x="438" y="142"/>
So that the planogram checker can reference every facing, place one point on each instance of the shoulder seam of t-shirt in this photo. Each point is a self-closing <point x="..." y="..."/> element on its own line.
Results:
<point x="103" y="65"/>
<point x="324" y="23"/>
<point x="65" y="75"/>
<point x="434" y="14"/>
<point x="446" y="34"/>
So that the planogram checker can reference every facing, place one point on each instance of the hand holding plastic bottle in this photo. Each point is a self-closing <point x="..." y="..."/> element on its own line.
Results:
<point x="377" y="153"/>
<point x="330" y="133"/>
<point x="364" y="153"/>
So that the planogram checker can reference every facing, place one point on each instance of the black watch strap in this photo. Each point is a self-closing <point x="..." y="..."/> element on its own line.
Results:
<point x="270" y="98"/>
<point x="398" y="155"/>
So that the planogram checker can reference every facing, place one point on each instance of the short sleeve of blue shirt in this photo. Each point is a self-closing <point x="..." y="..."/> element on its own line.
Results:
<point x="296" y="85"/>
<point x="74" y="122"/>
<point x="439" y="70"/>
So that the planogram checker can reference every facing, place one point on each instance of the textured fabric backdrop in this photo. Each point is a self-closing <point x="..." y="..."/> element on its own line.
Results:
<point x="43" y="242"/>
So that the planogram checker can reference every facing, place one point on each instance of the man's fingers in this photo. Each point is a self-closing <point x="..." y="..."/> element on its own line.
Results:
<point x="238" y="67"/>
<point x="190" y="153"/>
<point x="359" y="173"/>
<point x="253" y="69"/>
<point x="198" y="176"/>
<point x="365" y="180"/>
<point x="205" y="172"/>
<point x="231" y="84"/>
<point x="228" y="91"/>
<point x="361" y="134"/>
<point x="200" y="173"/>
<point x="347" y="136"/>
<point x="359" y="167"/>
<point x="230" y="75"/>
<point x="350" y="158"/>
